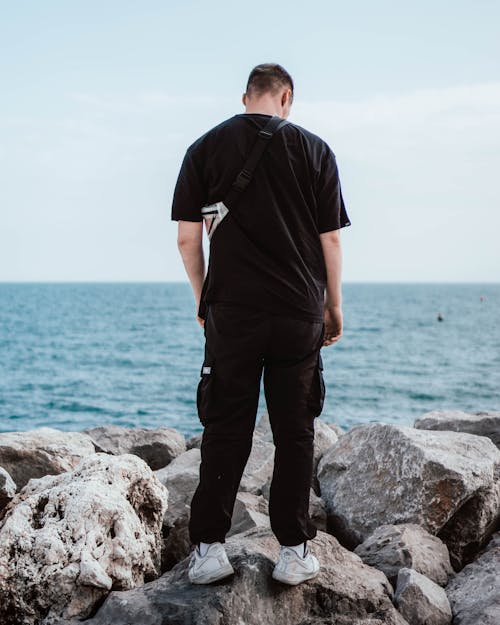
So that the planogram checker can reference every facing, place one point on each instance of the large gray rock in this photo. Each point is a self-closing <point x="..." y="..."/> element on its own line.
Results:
<point x="447" y="482"/>
<point x="263" y="427"/>
<point x="259" y="467"/>
<point x="336" y="619"/>
<point x="339" y="431"/>
<point x="176" y="542"/>
<point x="344" y="591"/>
<point x="324" y="438"/>
<point x="158" y="447"/>
<point x="317" y="511"/>
<point x="406" y="545"/>
<point x="182" y="475"/>
<point x="324" y="435"/>
<point x="474" y="592"/>
<point x="481" y="423"/>
<point x="343" y="620"/>
<point x="420" y="600"/>
<point x="43" y="451"/>
<point x="317" y="507"/>
<point x="249" y="511"/>
<point x="181" y="478"/>
<point x="194" y="441"/>
<point x="7" y="488"/>
<point x="66" y="540"/>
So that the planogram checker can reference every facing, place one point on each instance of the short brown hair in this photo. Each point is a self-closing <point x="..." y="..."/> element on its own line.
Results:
<point x="268" y="77"/>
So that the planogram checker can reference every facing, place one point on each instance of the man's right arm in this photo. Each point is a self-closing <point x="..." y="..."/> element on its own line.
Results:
<point x="332" y="252"/>
<point x="332" y="216"/>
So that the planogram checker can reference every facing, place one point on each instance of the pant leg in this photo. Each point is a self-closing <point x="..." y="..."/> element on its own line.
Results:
<point x="294" y="389"/>
<point x="227" y="401"/>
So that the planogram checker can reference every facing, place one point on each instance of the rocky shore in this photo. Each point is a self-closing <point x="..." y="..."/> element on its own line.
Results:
<point x="93" y="528"/>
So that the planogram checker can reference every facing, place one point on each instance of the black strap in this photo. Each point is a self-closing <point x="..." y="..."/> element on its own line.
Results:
<point x="241" y="182"/>
<point x="245" y="175"/>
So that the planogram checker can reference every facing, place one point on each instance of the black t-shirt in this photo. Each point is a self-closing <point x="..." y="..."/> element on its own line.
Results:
<point x="267" y="252"/>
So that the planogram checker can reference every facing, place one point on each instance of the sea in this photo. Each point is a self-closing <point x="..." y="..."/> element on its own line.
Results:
<point x="79" y="355"/>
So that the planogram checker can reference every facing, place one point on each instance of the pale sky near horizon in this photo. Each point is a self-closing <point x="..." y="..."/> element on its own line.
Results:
<point x="100" y="100"/>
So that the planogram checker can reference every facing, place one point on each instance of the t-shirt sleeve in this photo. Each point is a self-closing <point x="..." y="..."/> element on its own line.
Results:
<point x="332" y="213"/>
<point x="190" y="191"/>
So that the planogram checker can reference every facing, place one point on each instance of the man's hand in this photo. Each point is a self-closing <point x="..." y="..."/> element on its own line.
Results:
<point x="200" y="321"/>
<point x="333" y="325"/>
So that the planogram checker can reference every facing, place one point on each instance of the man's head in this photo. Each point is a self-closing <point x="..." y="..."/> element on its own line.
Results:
<point x="269" y="90"/>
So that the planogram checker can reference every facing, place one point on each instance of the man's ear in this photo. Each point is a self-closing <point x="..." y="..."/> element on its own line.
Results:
<point x="244" y="99"/>
<point x="286" y="94"/>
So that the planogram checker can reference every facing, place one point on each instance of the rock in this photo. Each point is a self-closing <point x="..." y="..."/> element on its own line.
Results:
<point x="324" y="434"/>
<point x="406" y="545"/>
<point x="343" y="620"/>
<point x="447" y="482"/>
<point x="317" y="511"/>
<point x="420" y="600"/>
<point x="181" y="478"/>
<point x="317" y="507"/>
<point x="345" y="591"/>
<point x="7" y="488"/>
<point x="40" y="452"/>
<point x="474" y="592"/>
<point x="66" y="540"/>
<point x="481" y="423"/>
<point x="194" y="441"/>
<point x="182" y="475"/>
<point x="249" y="511"/>
<point x="259" y="467"/>
<point x="339" y="431"/>
<point x="157" y="447"/>
<point x="263" y="428"/>
<point x="177" y="543"/>
<point x="324" y="438"/>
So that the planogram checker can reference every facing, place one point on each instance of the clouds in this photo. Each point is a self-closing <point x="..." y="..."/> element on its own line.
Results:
<point x="418" y="171"/>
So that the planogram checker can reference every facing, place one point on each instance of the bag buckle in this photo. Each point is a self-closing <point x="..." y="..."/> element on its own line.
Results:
<point x="242" y="179"/>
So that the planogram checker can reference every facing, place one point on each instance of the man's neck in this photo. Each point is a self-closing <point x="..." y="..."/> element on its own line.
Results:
<point x="265" y="110"/>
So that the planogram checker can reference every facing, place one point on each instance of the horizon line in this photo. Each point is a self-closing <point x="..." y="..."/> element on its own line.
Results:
<point x="3" y="282"/>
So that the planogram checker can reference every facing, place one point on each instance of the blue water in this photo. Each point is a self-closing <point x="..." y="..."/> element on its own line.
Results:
<point x="80" y="355"/>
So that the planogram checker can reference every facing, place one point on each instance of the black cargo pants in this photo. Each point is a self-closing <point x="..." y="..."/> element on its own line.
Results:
<point x="239" y="344"/>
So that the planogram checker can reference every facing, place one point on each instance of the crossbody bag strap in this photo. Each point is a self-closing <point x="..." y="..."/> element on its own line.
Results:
<point x="245" y="175"/>
<point x="217" y="212"/>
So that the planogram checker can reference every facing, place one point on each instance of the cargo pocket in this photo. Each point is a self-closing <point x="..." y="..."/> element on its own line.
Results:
<point x="316" y="397"/>
<point x="205" y="390"/>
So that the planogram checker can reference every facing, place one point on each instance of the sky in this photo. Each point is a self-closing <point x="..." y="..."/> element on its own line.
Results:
<point x="100" y="100"/>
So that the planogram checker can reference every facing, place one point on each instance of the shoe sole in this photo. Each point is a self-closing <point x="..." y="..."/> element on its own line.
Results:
<point x="291" y="579"/>
<point x="224" y="571"/>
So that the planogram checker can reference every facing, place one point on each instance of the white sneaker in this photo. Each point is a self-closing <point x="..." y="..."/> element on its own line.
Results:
<point x="210" y="567"/>
<point x="292" y="568"/>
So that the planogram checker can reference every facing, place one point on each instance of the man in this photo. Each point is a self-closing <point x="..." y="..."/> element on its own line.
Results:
<point x="263" y="308"/>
